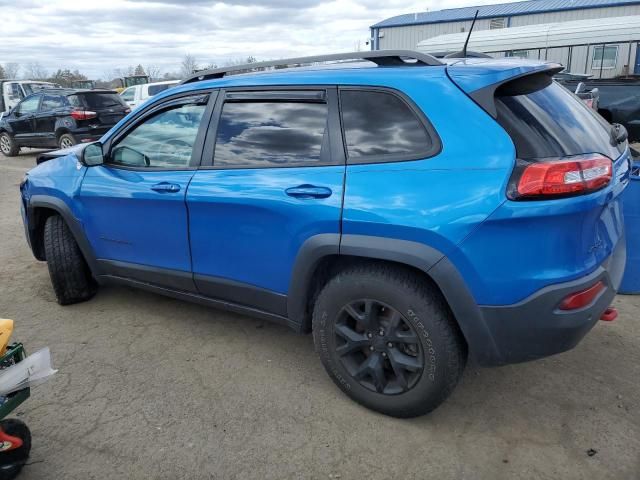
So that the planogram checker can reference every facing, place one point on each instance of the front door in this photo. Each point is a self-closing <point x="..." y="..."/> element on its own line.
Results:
<point x="275" y="181"/>
<point x="22" y="121"/>
<point x="136" y="217"/>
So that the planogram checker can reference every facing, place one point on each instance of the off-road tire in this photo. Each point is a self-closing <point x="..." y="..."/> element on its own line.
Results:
<point x="8" y="145"/>
<point x="442" y="347"/>
<point x="11" y="462"/>
<point x="70" y="275"/>
<point x="67" y="140"/>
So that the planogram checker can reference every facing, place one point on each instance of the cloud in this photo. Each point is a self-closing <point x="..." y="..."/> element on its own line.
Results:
<point x="96" y="37"/>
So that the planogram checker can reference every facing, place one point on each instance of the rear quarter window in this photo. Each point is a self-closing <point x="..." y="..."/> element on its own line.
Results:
<point x="155" y="89"/>
<point x="380" y="126"/>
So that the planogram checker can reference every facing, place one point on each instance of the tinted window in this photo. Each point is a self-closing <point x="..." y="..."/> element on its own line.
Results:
<point x="51" y="102"/>
<point x="551" y="122"/>
<point x="379" y="123"/>
<point x="30" y="105"/>
<point x="271" y="134"/>
<point x="155" y="89"/>
<point x="97" y="101"/>
<point x="164" y="140"/>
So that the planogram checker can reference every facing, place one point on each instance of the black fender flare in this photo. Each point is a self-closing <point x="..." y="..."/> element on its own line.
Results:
<point x="60" y="207"/>
<point x="428" y="260"/>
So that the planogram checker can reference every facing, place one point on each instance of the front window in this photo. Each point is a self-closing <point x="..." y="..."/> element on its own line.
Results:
<point x="605" y="56"/>
<point x="29" y="105"/>
<point x="128" y="95"/>
<point x="164" y="140"/>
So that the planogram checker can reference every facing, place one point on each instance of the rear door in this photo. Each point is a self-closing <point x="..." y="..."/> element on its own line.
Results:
<point x="52" y="107"/>
<point x="138" y="218"/>
<point x="274" y="182"/>
<point x="23" y="121"/>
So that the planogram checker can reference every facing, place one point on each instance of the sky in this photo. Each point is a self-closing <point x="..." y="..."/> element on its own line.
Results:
<point x="97" y="37"/>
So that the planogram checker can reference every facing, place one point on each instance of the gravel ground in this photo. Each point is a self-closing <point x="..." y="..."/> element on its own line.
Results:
<point x="153" y="388"/>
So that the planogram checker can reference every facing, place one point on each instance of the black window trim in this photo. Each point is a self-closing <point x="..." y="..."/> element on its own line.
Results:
<point x="141" y="116"/>
<point x="436" y="142"/>
<point x="333" y="157"/>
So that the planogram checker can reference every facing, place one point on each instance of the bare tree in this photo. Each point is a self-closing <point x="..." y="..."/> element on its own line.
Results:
<point x="35" y="71"/>
<point x="188" y="66"/>
<point x="154" y="72"/>
<point x="11" y="69"/>
<point x="139" y="70"/>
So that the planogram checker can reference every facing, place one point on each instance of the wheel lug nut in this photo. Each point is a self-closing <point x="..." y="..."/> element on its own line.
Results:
<point x="390" y="345"/>
<point x="369" y="335"/>
<point x="384" y="354"/>
<point x="381" y="333"/>
<point x="371" y="348"/>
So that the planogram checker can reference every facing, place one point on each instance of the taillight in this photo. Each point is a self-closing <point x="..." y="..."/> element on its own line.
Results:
<point x="83" y="114"/>
<point x="582" y="298"/>
<point x="560" y="178"/>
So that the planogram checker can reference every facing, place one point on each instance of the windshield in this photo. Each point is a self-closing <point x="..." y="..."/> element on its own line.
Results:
<point x="551" y="122"/>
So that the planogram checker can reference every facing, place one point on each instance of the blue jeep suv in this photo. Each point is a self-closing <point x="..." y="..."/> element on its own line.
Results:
<point x="410" y="212"/>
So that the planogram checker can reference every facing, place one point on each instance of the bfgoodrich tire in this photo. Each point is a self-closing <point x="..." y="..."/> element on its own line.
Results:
<point x="388" y="340"/>
<point x="70" y="275"/>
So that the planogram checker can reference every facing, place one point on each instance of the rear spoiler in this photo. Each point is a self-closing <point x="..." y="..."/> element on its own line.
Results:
<point x="485" y="96"/>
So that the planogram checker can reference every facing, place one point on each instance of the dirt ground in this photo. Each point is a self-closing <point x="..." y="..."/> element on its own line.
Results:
<point x="154" y="388"/>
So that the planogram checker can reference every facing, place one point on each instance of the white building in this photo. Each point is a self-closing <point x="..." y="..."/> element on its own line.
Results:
<point x="602" y="52"/>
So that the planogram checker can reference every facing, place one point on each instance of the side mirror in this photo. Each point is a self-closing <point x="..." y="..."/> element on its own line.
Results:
<point x="92" y="155"/>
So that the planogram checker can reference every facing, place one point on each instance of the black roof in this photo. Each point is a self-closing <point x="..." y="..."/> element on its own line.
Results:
<point x="74" y="91"/>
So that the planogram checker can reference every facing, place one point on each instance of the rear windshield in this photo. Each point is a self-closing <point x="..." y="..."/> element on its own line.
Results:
<point x="96" y="101"/>
<point x="155" y="89"/>
<point x="545" y="120"/>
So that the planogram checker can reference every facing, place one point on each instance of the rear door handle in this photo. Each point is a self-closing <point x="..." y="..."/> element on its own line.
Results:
<point x="308" y="191"/>
<point x="166" y="187"/>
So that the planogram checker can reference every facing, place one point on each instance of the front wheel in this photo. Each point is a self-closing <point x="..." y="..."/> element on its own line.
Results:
<point x="70" y="275"/>
<point x="12" y="461"/>
<point x="8" y="145"/>
<point x="388" y="340"/>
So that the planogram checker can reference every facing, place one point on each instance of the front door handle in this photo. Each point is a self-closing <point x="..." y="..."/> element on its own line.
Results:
<point x="308" y="191"/>
<point x="166" y="187"/>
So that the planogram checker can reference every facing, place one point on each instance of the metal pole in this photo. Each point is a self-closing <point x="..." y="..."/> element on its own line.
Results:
<point x="586" y="62"/>
<point x="601" y="60"/>
<point x="569" y="55"/>
<point x="629" y="58"/>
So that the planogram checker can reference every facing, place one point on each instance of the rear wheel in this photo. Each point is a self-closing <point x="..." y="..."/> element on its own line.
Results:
<point x="67" y="140"/>
<point x="69" y="272"/>
<point x="8" y="145"/>
<point x="388" y="340"/>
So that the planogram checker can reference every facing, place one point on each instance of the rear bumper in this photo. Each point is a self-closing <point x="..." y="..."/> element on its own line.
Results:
<point x="536" y="328"/>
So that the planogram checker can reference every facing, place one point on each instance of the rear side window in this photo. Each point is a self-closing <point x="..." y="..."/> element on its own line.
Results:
<point x="52" y="102"/>
<point x="261" y="134"/>
<point x="380" y="126"/>
<point x="98" y="101"/>
<point x="545" y="120"/>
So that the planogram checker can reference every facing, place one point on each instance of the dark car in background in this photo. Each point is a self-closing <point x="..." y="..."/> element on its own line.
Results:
<point x="60" y="118"/>
<point x="619" y="101"/>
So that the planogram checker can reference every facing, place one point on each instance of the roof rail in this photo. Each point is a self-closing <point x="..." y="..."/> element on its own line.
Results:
<point x="383" y="58"/>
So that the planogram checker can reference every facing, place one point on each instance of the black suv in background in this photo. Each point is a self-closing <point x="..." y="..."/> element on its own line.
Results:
<point x="60" y="118"/>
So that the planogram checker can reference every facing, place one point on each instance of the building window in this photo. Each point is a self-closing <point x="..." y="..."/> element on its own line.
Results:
<point x="519" y="53"/>
<point x="609" y="59"/>
<point x="497" y="23"/>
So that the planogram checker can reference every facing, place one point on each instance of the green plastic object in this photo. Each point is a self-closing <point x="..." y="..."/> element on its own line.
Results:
<point x="15" y="353"/>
